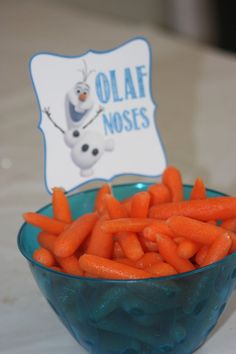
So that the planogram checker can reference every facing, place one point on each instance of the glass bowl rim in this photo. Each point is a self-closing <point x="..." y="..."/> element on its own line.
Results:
<point x="118" y="281"/>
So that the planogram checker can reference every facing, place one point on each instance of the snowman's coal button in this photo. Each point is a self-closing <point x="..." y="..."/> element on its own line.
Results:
<point x="76" y="133"/>
<point x="95" y="152"/>
<point x="85" y="147"/>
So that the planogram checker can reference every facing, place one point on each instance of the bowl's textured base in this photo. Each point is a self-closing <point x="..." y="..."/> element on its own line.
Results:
<point x="151" y="317"/>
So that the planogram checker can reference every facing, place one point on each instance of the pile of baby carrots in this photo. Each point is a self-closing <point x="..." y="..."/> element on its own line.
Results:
<point x="153" y="233"/>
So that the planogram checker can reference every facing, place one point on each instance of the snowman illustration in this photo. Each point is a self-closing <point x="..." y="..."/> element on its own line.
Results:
<point x="86" y="146"/>
<point x="78" y="101"/>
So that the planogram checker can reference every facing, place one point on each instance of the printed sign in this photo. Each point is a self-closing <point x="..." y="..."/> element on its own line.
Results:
<point x="97" y="115"/>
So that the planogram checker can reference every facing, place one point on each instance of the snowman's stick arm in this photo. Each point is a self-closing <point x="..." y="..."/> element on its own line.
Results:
<point x="48" y="114"/>
<point x="101" y="109"/>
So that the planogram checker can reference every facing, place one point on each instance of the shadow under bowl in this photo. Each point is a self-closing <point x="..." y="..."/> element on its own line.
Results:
<point x="173" y="314"/>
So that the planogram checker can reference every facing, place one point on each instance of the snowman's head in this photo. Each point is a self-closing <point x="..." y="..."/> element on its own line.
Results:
<point x="79" y="96"/>
<point x="82" y="91"/>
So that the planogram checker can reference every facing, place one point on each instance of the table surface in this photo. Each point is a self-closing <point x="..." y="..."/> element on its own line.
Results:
<point x="195" y="88"/>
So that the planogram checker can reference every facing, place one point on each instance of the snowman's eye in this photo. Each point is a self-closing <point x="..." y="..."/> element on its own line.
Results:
<point x="85" y="93"/>
<point x="76" y="133"/>
<point x="78" y="91"/>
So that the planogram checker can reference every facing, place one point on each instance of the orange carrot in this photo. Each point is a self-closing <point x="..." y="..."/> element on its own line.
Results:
<point x="194" y="230"/>
<point x="127" y="205"/>
<point x="179" y="239"/>
<point x="161" y="269"/>
<point x="70" y="265"/>
<point x="233" y="238"/>
<point x="187" y="249"/>
<point x="173" y="180"/>
<point x="218" y="208"/>
<point x="159" y="194"/>
<point x="199" y="190"/>
<point x="140" y="205"/>
<point x="70" y="240"/>
<point x="229" y="224"/>
<point x="212" y="222"/>
<point x="149" y="246"/>
<point x="109" y="269"/>
<point x="44" y="257"/>
<point x="199" y="231"/>
<point x="58" y="269"/>
<point x="100" y="242"/>
<point x="130" y="245"/>
<point x="168" y="251"/>
<point x="115" y="209"/>
<point x="117" y="251"/>
<point x="99" y="201"/>
<point x="45" y="223"/>
<point x="61" y="207"/>
<point x="218" y="250"/>
<point x="127" y="261"/>
<point x="142" y="241"/>
<point x="83" y="246"/>
<point x="88" y="275"/>
<point x="156" y="227"/>
<point x="148" y="259"/>
<point x="126" y="224"/>
<point x="46" y="240"/>
<point x="201" y="254"/>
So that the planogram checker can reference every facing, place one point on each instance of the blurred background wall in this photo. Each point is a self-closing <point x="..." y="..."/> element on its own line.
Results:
<point x="208" y="21"/>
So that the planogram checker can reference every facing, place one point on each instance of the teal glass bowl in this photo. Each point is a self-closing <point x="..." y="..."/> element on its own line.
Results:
<point x="173" y="314"/>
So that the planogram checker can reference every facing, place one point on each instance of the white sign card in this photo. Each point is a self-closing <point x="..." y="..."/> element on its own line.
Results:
<point x="97" y="115"/>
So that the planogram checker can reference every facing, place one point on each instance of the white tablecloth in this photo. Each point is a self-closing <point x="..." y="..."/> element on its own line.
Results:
<point x="195" y="88"/>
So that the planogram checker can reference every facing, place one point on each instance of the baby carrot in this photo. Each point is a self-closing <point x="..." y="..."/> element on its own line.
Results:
<point x="168" y="251"/>
<point x="127" y="204"/>
<point x="158" y="226"/>
<point x="115" y="209"/>
<point x="70" y="265"/>
<point x="56" y="268"/>
<point x="100" y="242"/>
<point x="217" y="208"/>
<point x="44" y="257"/>
<point x="212" y="222"/>
<point x="148" y="259"/>
<point x="233" y="238"/>
<point x="187" y="249"/>
<point x="117" y="251"/>
<point x="126" y="224"/>
<point x="140" y="205"/>
<point x="161" y="269"/>
<point x="99" y="201"/>
<point x="47" y="240"/>
<point x="70" y="240"/>
<point x="179" y="239"/>
<point x="199" y="190"/>
<point x="173" y="180"/>
<point x="45" y="223"/>
<point x="109" y="269"/>
<point x="229" y="224"/>
<point x="159" y="193"/>
<point x="149" y="246"/>
<point x="127" y="261"/>
<point x="130" y="245"/>
<point x="201" y="254"/>
<point x="61" y="207"/>
<point x="194" y="230"/>
<point x="218" y="250"/>
<point x="199" y="231"/>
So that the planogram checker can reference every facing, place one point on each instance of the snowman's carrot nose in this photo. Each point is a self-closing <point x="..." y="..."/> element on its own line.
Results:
<point x="82" y="97"/>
